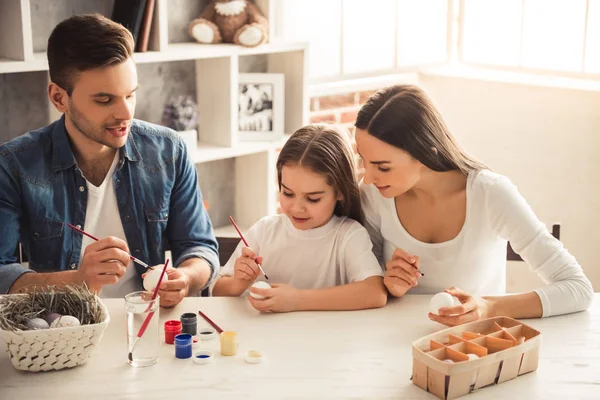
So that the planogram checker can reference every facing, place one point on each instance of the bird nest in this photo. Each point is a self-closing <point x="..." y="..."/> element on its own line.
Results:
<point x="78" y="301"/>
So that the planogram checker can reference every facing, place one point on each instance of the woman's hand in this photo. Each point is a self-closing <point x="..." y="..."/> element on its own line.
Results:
<point x="471" y="308"/>
<point x="402" y="273"/>
<point x="279" y="298"/>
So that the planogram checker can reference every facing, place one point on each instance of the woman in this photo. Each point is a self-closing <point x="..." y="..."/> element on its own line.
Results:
<point x="431" y="208"/>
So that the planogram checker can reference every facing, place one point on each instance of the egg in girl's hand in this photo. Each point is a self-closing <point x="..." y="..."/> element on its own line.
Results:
<point x="152" y="277"/>
<point x="50" y="318"/>
<point x="36" y="323"/>
<point x="441" y="300"/>
<point x="65" y="321"/>
<point x="259" y="285"/>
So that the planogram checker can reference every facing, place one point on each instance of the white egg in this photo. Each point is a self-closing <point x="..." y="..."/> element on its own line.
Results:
<point x="259" y="285"/>
<point x="36" y="323"/>
<point x="65" y="321"/>
<point x="473" y="357"/>
<point x="448" y="361"/>
<point x="152" y="277"/>
<point x="440" y="300"/>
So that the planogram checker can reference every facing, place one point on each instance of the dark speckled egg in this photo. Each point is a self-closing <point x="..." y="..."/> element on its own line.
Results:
<point x="51" y="317"/>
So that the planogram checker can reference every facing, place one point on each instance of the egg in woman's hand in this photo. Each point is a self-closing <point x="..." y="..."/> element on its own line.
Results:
<point x="442" y="300"/>
<point x="259" y="285"/>
<point x="65" y="321"/>
<point x="152" y="277"/>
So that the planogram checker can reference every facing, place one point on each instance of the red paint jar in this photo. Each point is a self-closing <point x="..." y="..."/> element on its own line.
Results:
<point x="172" y="329"/>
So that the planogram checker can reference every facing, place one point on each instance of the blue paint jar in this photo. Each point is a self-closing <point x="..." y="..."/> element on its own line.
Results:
<point x="183" y="345"/>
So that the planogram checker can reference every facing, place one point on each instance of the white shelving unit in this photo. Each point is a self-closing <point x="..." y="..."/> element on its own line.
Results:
<point x="217" y="70"/>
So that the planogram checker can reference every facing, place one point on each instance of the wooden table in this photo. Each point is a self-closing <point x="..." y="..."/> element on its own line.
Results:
<point x="310" y="355"/>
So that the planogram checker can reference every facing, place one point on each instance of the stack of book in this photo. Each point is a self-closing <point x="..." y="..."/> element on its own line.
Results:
<point x="135" y="15"/>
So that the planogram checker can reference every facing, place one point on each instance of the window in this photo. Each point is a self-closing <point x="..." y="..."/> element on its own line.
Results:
<point x="592" y="43"/>
<point x="359" y="38"/>
<point x="354" y="38"/>
<point x="536" y="35"/>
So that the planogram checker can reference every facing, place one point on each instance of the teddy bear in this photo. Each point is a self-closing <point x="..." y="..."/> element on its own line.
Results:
<point x="230" y="21"/>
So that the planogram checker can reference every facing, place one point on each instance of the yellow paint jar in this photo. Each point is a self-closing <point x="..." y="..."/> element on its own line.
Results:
<point x="229" y="343"/>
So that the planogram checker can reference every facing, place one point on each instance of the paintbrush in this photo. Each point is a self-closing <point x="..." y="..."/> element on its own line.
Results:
<point x="149" y="316"/>
<point x="217" y="327"/>
<point x="246" y="243"/>
<point x="96" y="239"/>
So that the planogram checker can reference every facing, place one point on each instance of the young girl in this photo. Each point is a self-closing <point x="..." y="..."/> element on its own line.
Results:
<point x="430" y="207"/>
<point x="316" y="254"/>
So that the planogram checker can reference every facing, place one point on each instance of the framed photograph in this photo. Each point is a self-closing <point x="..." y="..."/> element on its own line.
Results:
<point x="261" y="106"/>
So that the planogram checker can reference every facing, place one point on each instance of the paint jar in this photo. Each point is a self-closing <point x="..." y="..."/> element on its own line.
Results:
<point x="229" y="343"/>
<point x="189" y="324"/>
<point x="207" y="333"/>
<point x="203" y="357"/>
<point x="172" y="329"/>
<point x="254" y="357"/>
<point x="183" y="345"/>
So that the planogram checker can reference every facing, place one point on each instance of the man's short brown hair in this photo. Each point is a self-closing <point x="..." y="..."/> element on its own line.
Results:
<point x="85" y="42"/>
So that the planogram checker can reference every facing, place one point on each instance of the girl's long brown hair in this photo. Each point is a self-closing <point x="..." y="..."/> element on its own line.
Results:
<point x="326" y="150"/>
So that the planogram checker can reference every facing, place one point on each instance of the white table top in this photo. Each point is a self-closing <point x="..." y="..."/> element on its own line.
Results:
<point x="310" y="355"/>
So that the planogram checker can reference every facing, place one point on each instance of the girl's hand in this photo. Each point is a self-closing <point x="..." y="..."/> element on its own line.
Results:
<point x="471" y="309"/>
<point x="279" y="298"/>
<point x="401" y="273"/>
<point x="246" y="268"/>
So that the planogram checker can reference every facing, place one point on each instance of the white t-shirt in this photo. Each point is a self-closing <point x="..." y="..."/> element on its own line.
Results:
<point x="336" y="253"/>
<point x="475" y="260"/>
<point x="102" y="219"/>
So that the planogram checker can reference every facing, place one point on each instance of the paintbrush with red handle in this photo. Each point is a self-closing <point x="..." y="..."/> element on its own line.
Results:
<point x="217" y="327"/>
<point x="149" y="316"/>
<point x="96" y="239"/>
<point x="246" y="244"/>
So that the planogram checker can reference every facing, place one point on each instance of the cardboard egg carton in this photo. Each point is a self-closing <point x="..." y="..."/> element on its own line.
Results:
<point x="505" y="348"/>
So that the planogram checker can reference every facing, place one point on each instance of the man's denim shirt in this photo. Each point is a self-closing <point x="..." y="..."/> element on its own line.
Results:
<point x="42" y="189"/>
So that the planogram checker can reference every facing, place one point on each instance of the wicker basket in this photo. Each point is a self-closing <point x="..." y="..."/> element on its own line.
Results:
<point x="54" y="348"/>
<point x="506" y="348"/>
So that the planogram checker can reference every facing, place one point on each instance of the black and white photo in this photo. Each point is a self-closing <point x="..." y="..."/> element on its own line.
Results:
<point x="256" y="107"/>
<point x="260" y="106"/>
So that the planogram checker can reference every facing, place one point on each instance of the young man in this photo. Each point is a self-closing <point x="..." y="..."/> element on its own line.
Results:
<point x="125" y="181"/>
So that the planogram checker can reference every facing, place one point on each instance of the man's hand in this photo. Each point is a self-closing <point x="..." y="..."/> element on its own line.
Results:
<point x="104" y="263"/>
<point x="172" y="291"/>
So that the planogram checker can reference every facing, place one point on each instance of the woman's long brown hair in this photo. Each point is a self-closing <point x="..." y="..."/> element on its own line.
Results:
<point x="405" y="117"/>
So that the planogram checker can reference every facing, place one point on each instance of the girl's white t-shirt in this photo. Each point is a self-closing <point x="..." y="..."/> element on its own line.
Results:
<point x="475" y="260"/>
<point x="336" y="253"/>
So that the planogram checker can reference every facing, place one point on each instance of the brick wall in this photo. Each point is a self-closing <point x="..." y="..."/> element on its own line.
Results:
<point x="338" y="108"/>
